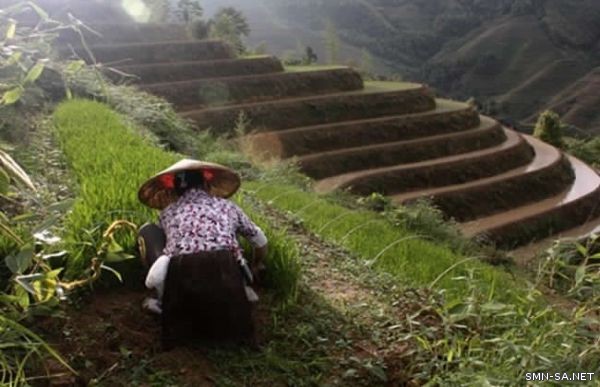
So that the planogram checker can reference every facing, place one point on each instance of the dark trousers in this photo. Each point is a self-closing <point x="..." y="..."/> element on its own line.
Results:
<point x="151" y="243"/>
<point x="204" y="298"/>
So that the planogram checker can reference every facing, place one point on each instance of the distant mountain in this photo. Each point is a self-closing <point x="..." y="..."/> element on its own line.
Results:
<point x="284" y="38"/>
<point x="516" y="57"/>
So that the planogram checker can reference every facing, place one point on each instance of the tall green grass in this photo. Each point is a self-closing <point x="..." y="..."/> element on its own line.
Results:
<point x="416" y="260"/>
<point x="110" y="161"/>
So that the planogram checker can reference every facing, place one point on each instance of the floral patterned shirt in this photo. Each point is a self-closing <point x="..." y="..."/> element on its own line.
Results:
<point x="199" y="222"/>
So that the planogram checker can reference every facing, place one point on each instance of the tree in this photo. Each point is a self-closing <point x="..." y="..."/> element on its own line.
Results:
<point x="309" y="56"/>
<point x="238" y="20"/>
<point x="189" y="11"/>
<point x="230" y="25"/>
<point x="549" y="128"/>
<point x="332" y="43"/>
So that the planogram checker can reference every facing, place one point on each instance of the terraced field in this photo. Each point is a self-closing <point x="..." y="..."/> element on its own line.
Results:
<point x="393" y="138"/>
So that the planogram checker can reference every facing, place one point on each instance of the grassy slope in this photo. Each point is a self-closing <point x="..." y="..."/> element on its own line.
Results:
<point x="414" y="260"/>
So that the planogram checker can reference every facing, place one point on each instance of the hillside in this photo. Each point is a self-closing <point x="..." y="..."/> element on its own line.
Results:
<point x="356" y="290"/>
<point x="516" y="57"/>
<point x="284" y="39"/>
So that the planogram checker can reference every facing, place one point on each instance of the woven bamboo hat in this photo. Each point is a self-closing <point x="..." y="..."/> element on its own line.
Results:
<point x="158" y="192"/>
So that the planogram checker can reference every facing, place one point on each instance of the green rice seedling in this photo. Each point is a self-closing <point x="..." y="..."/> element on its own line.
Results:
<point x="110" y="162"/>
<point x="416" y="261"/>
<point x="423" y="218"/>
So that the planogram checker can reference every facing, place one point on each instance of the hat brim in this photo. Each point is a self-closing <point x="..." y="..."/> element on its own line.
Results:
<point x="158" y="192"/>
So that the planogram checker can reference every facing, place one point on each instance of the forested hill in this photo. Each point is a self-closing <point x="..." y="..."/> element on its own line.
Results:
<point x="515" y="56"/>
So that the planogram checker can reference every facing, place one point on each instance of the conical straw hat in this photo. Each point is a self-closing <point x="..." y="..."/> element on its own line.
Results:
<point x="158" y="192"/>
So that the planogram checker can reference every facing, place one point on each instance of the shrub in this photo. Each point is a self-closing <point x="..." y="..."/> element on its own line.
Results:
<point x="586" y="150"/>
<point x="375" y="202"/>
<point x="549" y="128"/>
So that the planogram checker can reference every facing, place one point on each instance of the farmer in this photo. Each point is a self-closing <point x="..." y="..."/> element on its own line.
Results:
<point x="195" y="260"/>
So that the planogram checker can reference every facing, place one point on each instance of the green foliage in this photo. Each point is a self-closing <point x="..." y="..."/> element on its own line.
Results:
<point x="35" y="286"/>
<point x="230" y="25"/>
<point x="238" y="19"/>
<point x="10" y="173"/>
<point x="283" y="258"/>
<point x="549" y="128"/>
<point x="190" y="12"/>
<point x="479" y="325"/>
<point x="28" y="70"/>
<point x="586" y="150"/>
<point x="21" y="350"/>
<point x="20" y="67"/>
<point x="375" y="202"/>
<point x="152" y="115"/>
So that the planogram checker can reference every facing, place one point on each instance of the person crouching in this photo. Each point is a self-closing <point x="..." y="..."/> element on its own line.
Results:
<point x="195" y="260"/>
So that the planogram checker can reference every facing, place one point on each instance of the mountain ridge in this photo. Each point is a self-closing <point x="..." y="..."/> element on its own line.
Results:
<point x="516" y="57"/>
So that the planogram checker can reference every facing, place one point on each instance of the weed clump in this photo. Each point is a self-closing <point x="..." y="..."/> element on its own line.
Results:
<point x="480" y="339"/>
<point x="573" y="268"/>
<point x="549" y="129"/>
<point x="428" y="221"/>
<point x="375" y="202"/>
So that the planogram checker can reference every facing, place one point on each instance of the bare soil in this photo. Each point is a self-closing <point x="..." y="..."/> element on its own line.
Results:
<point x="111" y="341"/>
